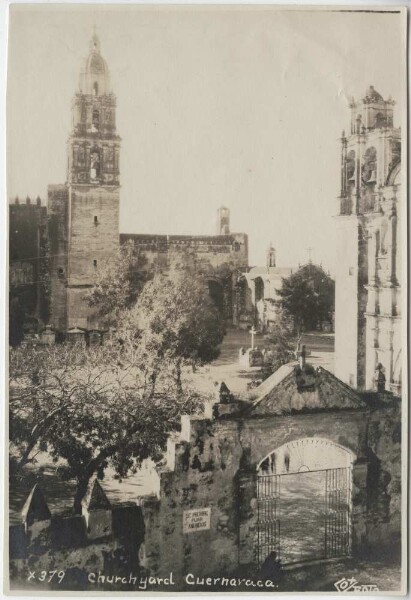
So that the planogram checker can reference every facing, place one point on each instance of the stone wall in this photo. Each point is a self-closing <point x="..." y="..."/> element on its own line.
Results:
<point x="200" y="251"/>
<point x="83" y="232"/>
<point x="94" y="234"/>
<point x="219" y="259"/>
<point x="94" y="240"/>
<point x="204" y="519"/>
<point x="58" y="212"/>
<point x="384" y="477"/>
<point x="215" y="466"/>
<point x="28" y="262"/>
<point x="69" y="552"/>
<point x="348" y="277"/>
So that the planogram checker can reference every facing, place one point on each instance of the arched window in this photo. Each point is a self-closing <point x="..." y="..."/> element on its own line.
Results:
<point x="370" y="165"/>
<point x="350" y="165"/>
<point x="377" y="242"/>
<point x="96" y="118"/>
<point x="259" y="289"/>
<point x="380" y="120"/>
<point x="81" y="156"/>
<point x="216" y="292"/>
<point x="95" y="88"/>
<point x="94" y="164"/>
<point x="286" y="462"/>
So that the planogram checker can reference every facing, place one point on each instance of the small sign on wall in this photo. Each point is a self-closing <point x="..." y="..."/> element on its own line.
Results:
<point x="197" y="519"/>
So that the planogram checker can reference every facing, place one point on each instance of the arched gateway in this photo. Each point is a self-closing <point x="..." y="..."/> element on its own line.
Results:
<point x="276" y="472"/>
<point x="304" y="501"/>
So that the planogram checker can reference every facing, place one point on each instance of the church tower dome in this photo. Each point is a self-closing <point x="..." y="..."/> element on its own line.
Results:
<point x="95" y="75"/>
<point x="371" y="95"/>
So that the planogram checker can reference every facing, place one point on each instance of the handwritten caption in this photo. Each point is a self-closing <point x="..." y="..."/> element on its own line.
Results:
<point x="46" y="576"/>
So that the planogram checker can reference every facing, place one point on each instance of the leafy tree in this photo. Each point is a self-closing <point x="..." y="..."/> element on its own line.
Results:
<point x="118" y="284"/>
<point x="118" y="426"/>
<point x="308" y="297"/>
<point x="43" y="384"/>
<point x="92" y="407"/>
<point x="114" y="404"/>
<point x="177" y="322"/>
<point x="281" y="344"/>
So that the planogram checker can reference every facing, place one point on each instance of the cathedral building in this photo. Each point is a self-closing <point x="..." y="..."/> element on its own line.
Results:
<point x="368" y="291"/>
<point x="82" y="218"/>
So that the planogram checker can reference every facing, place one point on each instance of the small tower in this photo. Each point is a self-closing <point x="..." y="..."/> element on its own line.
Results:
<point x="271" y="256"/>
<point x="223" y="222"/>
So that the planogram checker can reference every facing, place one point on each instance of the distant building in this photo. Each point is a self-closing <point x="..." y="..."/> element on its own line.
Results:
<point x="28" y="273"/>
<point x="219" y="259"/>
<point x="368" y="290"/>
<point x="263" y="284"/>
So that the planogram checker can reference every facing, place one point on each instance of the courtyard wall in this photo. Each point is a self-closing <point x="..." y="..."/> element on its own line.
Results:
<point x="215" y="467"/>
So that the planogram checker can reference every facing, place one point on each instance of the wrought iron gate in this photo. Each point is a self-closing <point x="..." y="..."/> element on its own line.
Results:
<point x="337" y="512"/>
<point x="336" y="517"/>
<point x="268" y="523"/>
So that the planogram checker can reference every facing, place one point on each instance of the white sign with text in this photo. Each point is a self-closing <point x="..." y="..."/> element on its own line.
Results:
<point x="197" y="519"/>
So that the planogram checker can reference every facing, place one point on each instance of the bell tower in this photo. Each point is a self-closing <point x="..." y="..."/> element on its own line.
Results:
<point x="86" y="209"/>
<point x="367" y="320"/>
<point x="94" y="146"/>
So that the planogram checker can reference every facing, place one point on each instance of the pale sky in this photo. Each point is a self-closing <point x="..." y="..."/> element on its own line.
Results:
<point x="242" y="107"/>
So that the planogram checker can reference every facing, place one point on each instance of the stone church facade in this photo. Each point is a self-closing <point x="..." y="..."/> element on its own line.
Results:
<point x="368" y="279"/>
<point x="82" y="218"/>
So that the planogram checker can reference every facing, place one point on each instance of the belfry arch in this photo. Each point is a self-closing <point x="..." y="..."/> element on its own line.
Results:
<point x="216" y="293"/>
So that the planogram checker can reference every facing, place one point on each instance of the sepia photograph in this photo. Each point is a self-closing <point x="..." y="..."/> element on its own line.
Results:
<point x="206" y="330"/>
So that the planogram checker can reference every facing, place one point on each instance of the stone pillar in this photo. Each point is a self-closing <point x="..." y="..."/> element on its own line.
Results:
<point x="235" y="298"/>
<point x="372" y="341"/>
<point x="381" y="151"/>
<point x="252" y="288"/>
<point x="97" y="512"/>
<point x="36" y="519"/>
<point x="358" y="167"/>
<point x="392" y="248"/>
<point x="390" y="369"/>
<point x="372" y="259"/>
<point x="343" y="165"/>
<point x="152" y="549"/>
<point x="247" y="518"/>
<point x="359" y="507"/>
